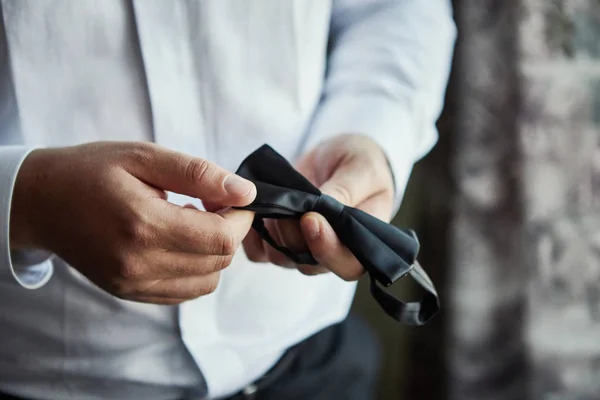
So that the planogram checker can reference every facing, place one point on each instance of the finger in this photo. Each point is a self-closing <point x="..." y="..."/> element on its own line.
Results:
<point x="157" y="300"/>
<point x="165" y="265"/>
<point x="180" y="173"/>
<point x="358" y="179"/>
<point x="291" y="235"/>
<point x="311" y="270"/>
<point x="198" y="232"/>
<point x="327" y="248"/>
<point x="278" y="258"/>
<point x="254" y="247"/>
<point x="275" y="256"/>
<point x="178" y="288"/>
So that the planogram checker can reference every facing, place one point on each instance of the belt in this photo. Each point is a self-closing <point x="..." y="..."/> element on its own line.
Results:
<point x="251" y="391"/>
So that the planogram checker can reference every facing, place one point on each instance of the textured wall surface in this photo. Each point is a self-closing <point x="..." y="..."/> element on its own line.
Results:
<point x="487" y="352"/>
<point x="508" y="211"/>
<point x="560" y="133"/>
<point x="525" y="240"/>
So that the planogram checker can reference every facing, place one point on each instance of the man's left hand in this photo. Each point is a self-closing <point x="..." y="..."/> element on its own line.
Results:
<point x="354" y="170"/>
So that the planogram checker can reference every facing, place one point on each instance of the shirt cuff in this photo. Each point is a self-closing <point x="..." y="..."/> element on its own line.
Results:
<point x="31" y="269"/>
<point x="387" y="122"/>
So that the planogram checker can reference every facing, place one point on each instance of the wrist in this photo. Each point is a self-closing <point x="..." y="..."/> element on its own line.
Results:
<point x="379" y="156"/>
<point x="24" y="229"/>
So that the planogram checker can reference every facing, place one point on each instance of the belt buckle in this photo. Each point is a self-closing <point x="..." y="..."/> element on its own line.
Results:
<point x="250" y="391"/>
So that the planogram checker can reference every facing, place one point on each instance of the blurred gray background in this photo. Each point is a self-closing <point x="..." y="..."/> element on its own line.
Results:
<point x="507" y="210"/>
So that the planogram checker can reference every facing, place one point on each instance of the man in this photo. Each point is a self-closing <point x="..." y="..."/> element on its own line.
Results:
<point x="129" y="248"/>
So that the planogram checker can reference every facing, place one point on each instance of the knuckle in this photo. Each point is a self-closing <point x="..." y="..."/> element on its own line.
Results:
<point x="138" y="227"/>
<point x="142" y="153"/>
<point x="341" y="194"/>
<point x="128" y="270"/>
<point x="127" y="267"/>
<point x="226" y="243"/>
<point x="222" y="263"/>
<point x="197" y="170"/>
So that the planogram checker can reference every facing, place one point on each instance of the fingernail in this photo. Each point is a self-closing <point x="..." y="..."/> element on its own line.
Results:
<point x="312" y="228"/>
<point x="237" y="186"/>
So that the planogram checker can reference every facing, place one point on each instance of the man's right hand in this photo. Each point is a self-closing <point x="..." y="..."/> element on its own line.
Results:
<point x="102" y="208"/>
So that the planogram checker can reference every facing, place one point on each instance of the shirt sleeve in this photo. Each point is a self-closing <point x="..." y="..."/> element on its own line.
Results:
<point x="388" y="67"/>
<point x="30" y="269"/>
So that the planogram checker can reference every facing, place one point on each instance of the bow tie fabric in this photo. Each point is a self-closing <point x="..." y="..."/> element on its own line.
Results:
<point x="386" y="252"/>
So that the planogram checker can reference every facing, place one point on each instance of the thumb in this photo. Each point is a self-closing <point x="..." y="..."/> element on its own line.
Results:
<point x="351" y="183"/>
<point x="191" y="176"/>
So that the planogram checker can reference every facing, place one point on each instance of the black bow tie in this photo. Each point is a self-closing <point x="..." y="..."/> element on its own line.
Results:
<point x="386" y="252"/>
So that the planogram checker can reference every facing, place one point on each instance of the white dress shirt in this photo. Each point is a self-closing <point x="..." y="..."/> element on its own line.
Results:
<point x="215" y="79"/>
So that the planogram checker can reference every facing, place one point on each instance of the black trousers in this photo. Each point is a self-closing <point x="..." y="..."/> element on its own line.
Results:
<point x="340" y="362"/>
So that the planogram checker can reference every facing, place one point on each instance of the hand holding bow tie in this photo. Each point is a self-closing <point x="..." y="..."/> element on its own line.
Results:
<point x="354" y="171"/>
<point x="338" y="237"/>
